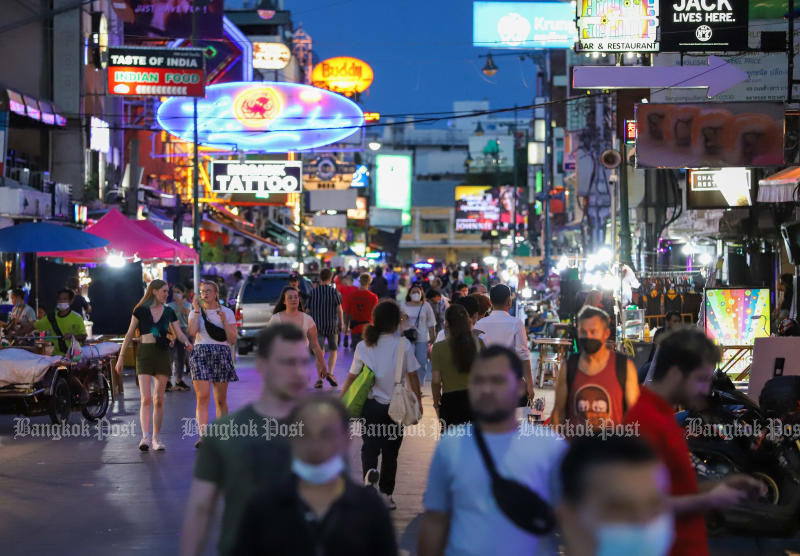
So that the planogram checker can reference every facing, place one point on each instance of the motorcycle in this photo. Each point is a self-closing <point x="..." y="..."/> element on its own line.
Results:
<point x="734" y="435"/>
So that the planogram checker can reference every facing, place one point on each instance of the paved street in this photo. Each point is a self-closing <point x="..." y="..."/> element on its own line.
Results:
<point x="89" y="496"/>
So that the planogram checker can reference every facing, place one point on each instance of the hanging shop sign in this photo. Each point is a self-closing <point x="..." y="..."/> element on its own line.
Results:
<point x="257" y="177"/>
<point x="704" y="25"/>
<point x="146" y="71"/>
<point x="718" y="135"/>
<point x="523" y="24"/>
<point x="271" y="55"/>
<point x="263" y="117"/>
<point x="360" y="177"/>
<point x="327" y="173"/>
<point x="618" y="25"/>
<point x="719" y="189"/>
<point x="160" y="20"/>
<point x="343" y="75"/>
<point x="630" y="131"/>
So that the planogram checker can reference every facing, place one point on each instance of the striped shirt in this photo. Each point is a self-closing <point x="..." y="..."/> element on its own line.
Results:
<point x="322" y="304"/>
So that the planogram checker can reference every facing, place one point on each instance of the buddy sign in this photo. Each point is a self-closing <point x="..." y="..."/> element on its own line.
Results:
<point x="175" y="72"/>
<point x="704" y="25"/>
<point x="343" y="75"/>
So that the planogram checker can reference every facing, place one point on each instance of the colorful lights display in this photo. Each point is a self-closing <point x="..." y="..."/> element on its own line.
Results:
<point x="618" y="25"/>
<point x="343" y="75"/>
<point x="263" y="117"/>
<point x="736" y="317"/>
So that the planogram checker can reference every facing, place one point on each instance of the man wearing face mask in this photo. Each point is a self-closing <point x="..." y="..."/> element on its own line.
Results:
<point x="615" y="499"/>
<point x="595" y="387"/>
<point x="64" y="323"/>
<point x="682" y="375"/>
<point x="318" y="510"/>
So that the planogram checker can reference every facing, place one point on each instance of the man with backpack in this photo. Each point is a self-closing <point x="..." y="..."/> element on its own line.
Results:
<point x="595" y="386"/>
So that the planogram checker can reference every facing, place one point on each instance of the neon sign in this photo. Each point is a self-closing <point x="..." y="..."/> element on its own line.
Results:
<point x="618" y="25"/>
<point x="343" y="75"/>
<point x="263" y="116"/>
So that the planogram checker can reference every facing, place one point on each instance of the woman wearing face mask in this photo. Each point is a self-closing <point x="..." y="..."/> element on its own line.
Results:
<point x="422" y="321"/>
<point x="213" y="328"/>
<point x="318" y="510"/>
<point x="157" y="325"/>
<point x="289" y="309"/>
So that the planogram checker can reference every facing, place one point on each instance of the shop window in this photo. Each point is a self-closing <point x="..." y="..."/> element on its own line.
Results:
<point x="434" y="226"/>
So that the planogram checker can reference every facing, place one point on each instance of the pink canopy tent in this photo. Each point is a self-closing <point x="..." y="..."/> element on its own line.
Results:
<point x="132" y="239"/>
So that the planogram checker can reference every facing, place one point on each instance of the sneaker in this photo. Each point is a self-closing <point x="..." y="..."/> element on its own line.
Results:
<point x="372" y="477"/>
<point x="318" y="384"/>
<point x="158" y="446"/>
<point x="389" y="501"/>
<point x="170" y="388"/>
<point x="331" y="380"/>
<point x="182" y="386"/>
<point x="144" y="444"/>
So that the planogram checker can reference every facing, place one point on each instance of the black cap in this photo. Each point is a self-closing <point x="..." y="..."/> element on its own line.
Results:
<point x="294" y="277"/>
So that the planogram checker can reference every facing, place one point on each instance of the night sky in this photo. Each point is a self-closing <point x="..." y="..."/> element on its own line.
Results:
<point x="422" y="56"/>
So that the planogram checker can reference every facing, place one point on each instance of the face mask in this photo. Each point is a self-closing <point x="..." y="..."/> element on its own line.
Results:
<point x="589" y="345"/>
<point x="178" y="296"/>
<point x="650" y="539"/>
<point x="319" y="474"/>
<point x="415" y="297"/>
<point x="62" y="306"/>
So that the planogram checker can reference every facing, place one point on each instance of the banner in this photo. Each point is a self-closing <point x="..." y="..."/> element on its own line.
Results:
<point x="145" y="71"/>
<point x="702" y="25"/>
<point x="523" y="25"/>
<point x="161" y="19"/>
<point x="482" y="208"/>
<point x="709" y="135"/>
<point x="260" y="178"/>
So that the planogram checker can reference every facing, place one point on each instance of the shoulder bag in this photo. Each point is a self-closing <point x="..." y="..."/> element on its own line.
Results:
<point x="524" y="507"/>
<point x="216" y="333"/>
<point x="358" y="392"/>
<point x="412" y="334"/>
<point x="404" y="408"/>
<point x="62" y="344"/>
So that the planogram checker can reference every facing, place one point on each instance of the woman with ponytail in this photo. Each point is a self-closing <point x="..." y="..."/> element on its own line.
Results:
<point x="451" y="361"/>
<point x="379" y="353"/>
<point x="158" y="328"/>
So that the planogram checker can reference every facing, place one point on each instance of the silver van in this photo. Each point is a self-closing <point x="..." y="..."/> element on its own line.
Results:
<point x="254" y="306"/>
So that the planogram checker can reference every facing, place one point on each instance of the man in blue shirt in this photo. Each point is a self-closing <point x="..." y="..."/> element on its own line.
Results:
<point x="460" y="507"/>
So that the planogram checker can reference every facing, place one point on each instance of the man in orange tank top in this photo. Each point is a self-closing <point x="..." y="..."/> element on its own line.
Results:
<point x="595" y="387"/>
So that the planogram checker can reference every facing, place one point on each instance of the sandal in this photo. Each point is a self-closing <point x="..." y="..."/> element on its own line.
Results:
<point x="331" y="380"/>
<point x="318" y="384"/>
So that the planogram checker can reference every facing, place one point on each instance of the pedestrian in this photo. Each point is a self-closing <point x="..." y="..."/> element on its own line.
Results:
<point x="402" y="289"/>
<point x="213" y="328"/>
<point x="500" y="328"/>
<point x="232" y="467"/>
<point x="439" y="305"/>
<point x="615" y="499"/>
<point x="471" y="305"/>
<point x="346" y="289"/>
<point x="484" y="304"/>
<point x="596" y="386"/>
<point x="182" y="308"/>
<point x="359" y="305"/>
<point x="379" y="352"/>
<point x="325" y="307"/>
<point x="682" y="375"/>
<point x="459" y="290"/>
<point x="459" y="501"/>
<point x="289" y="310"/>
<point x="379" y="286"/>
<point x="451" y="361"/>
<point x="157" y="324"/>
<point x="672" y="321"/>
<point x="293" y="517"/>
<point x="420" y="326"/>
<point x="238" y="282"/>
<point x="392" y="281"/>
<point x="301" y="285"/>
<point x="79" y="303"/>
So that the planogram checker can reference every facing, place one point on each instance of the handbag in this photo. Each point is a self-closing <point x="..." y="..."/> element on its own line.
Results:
<point x="525" y="508"/>
<point x="356" y="395"/>
<point x="412" y="334"/>
<point x="404" y="408"/>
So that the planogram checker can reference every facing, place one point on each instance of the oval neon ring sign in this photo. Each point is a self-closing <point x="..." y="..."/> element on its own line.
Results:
<point x="264" y="117"/>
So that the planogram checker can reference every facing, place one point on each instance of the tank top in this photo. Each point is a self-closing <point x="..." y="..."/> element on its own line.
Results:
<point x="596" y="400"/>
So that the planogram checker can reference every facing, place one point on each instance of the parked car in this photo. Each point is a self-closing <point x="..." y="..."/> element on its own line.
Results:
<point x="255" y="304"/>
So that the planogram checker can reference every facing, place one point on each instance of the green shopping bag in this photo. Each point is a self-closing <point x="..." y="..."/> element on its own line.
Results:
<point x="357" y="393"/>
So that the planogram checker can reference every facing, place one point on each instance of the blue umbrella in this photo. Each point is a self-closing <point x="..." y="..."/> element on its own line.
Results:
<point x="43" y="236"/>
<point x="33" y="237"/>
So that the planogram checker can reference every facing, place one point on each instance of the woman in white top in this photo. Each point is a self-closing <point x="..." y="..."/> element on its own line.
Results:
<point x="289" y="309"/>
<point x="421" y="318"/>
<point x="213" y="328"/>
<point x="379" y="353"/>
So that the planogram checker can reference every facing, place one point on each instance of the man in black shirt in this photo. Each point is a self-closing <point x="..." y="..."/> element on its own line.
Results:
<point x="379" y="286"/>
<point x="79" y="303"/>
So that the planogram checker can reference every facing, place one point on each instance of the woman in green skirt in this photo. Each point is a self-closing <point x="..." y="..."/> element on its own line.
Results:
<point x="157" y="328"/>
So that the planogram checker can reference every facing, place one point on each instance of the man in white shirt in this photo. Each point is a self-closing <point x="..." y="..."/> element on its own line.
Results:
<point x="500" y="328"/>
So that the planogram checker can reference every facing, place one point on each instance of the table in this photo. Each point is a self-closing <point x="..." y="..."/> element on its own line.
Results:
<point x="558" y="347"/>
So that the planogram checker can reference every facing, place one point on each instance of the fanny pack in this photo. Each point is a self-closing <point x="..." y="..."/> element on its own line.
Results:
<point x="526" y="509"/>
<point x="217" y="333"/>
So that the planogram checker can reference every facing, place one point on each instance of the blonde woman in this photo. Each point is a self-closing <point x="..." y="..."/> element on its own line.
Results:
<point x="213" y="328"/>
<point x="157" y="326"/>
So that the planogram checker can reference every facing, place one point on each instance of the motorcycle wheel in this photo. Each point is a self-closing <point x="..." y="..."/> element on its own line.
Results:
<point x="60" y="401"/>
<point x="99" y="399"/>
<point x="773" y="495"/>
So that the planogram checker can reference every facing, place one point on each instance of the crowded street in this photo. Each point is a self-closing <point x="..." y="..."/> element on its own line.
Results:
<point x="354" y="278"/>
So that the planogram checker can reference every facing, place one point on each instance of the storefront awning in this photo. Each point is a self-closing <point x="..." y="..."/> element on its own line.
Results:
<point x="35" y="109"/>
<point x="780" y="187"/>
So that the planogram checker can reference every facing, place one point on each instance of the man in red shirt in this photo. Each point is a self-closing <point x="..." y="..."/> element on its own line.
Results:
<point x="345" y="287"/>
<point x="359" y="306"/>
<point x="682" y="376"/>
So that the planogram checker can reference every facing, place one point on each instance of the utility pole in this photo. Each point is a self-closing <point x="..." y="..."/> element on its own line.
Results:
<point x="548" y="165"/>
<point x="195" y="177"/>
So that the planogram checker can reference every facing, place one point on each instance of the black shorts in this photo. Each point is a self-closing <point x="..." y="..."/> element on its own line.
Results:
<point x="332" y="340"/>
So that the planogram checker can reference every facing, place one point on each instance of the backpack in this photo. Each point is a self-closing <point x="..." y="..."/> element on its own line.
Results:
<point x="622" y="374"/>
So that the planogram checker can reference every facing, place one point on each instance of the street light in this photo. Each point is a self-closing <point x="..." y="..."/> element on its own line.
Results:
<point x="489" y="68"/>
<point x="374" y="145"/>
